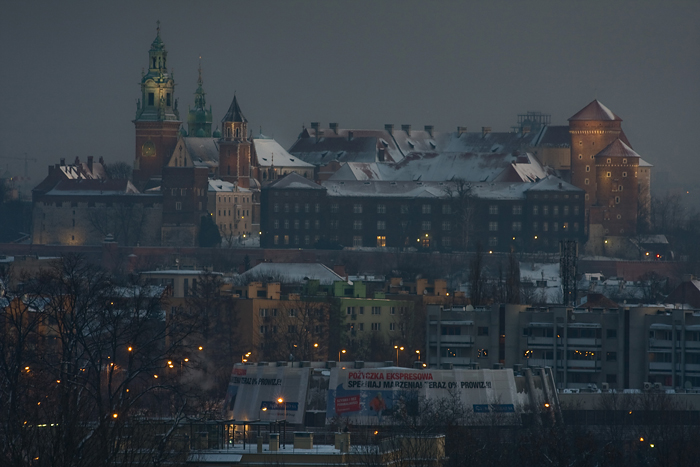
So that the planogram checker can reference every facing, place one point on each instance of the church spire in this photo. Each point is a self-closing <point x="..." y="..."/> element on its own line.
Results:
<point x="157" y="86"/>
<point x="199" y="118"/>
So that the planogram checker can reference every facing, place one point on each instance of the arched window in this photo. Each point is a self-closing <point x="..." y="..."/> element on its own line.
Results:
<point x="228" y="132"/>
<point x="238" y="132"/>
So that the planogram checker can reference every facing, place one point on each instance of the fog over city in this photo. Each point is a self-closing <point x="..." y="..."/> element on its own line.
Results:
<point x="70" y="71"/>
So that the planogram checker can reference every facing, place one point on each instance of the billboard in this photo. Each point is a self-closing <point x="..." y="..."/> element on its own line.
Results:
<point x="368" y="396"/>
<point x="254" y="393"/>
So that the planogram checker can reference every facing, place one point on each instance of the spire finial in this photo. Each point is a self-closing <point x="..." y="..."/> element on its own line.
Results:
<point x="158" y="28"/>
<point x="199" y="80"/>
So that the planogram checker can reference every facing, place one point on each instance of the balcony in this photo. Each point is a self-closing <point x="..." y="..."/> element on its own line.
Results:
<point x="664" y="367"/>
<point x="581" y="365"/>
<point x="692" y="344"/>
<point x="539" y="362"/>
<point x="659" y="343"/>
<point x="540" y="341"/>
<point x="584" y="342"/>
<point x="446" y="341"/>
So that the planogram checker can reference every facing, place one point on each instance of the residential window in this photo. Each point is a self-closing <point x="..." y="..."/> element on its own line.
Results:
<point x="586" y="182"/>
<point x="381" y="209"/>
<point x="296" y="224"/>
<point x="317" y="224"/>
<point x="276" y="224"/>
<point x="263" y="329"/>
<point x="263" y="312"/>
<point x="493" y="209"/>
<point x="517" y="209"/>
<point x="292" y="312"/>
<point x="276" y="207"/>
<point x="611" y="333"/>
<point x="178" y="206"/>
<point x="307" y="224"/>
<point x="534" y="226"/>
<point x="296" y="239"/>
<point x="446" y="226"/>
<point x="381" y="241"/>
<point x="517" y="226"/>
<point x="493" y="241"/>
<point x="286" y="239"/>
<point x="307" y="240"/>
<point x="376" y="326"/>
<point x="376" y="310"/>
<point x="425" y="225"/>
<point x="566" y="210"/>
<point x="493" y="226"/>
<point x="286" y="207"/>
<point x="317" y="207"/>
<point x="617" y="200"/>
<point x="286" y="223"/>
<point x="334" y="224"/>
<point x="575" y="210"/>
<point x="334" y="207"/>
<point x="555" y="210"/>
<point x="545" y="226"/>
<point x="357" y="208"/>
<point x="555" y="226"/>
<point x="361" y="326"/>
<point x="425" y="209"/>
<point x="404" y="209"/>
<point x="545" y="210"/>
<point x="482" y="331"/>
<point x="575" y="226"/>
<point x="357" y="225"/>
<point x="381" y="225"/>
<point x="446" y="209"/>
<point x="588" y="168"/>
<point x="564" y="225"/>
<point x="446" y="242"/>
<point x="357" y="240"/>
<point x="291" y="329"/>
<point x="392" y="326"/>
<point x="535" y="210"/>
<point x="350" y="310"/>
<point x="611" y="356"/>
<point x="276" y="240"/>
<point x="482" y="353"/>
<point x="362" y="310"/>
<point x="624" y="174"/>
<point x="307" y="207"/>
<point x="392" y="310"/>
<point x="296" y="207"/>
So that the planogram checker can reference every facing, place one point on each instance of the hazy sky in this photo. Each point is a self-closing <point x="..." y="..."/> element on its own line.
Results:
<point x="70" y="71"/>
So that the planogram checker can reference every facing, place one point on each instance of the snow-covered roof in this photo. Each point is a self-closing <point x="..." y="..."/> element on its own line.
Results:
<point x="217" y="185"/>
<point x="202" y="150"/>
<point x="404" y="189"/>
<point x="552" y="183"/>
<point x="268" y="152"/>
<point x="294" y="180"/>
<point x="617" y="149"/>
<point x="595" y="111"/>
<point x="293" y="273"/>
<point x="83" y="187"/>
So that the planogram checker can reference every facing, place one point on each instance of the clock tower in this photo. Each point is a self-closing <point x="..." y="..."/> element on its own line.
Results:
<point x="157" y="118"/>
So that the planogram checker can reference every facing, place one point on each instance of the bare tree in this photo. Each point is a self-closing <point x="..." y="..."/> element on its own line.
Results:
<point x="463" y="206"/>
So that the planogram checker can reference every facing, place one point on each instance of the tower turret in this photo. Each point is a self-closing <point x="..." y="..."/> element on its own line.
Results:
<point x="234" y="147"/>
<point x="157" y="118"/>
<point x="199" y="118"/>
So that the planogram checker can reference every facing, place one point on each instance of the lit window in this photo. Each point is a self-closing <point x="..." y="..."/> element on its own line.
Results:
<point x="381" y="241"/>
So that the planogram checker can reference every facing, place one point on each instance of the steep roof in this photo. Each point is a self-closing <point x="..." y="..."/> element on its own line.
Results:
<point x="234" y="113"/>
<point x="617" y="149"/>
<point x="294" y="180"/>
<point x="595" y="111"/>
<point x="555" y="136"/>
<point x="293" y="273"/>
<point x="268" y="152"/>
<point x="202" y="149"/>
<point x="552" y="183"/>
<point x="93" y="187"/>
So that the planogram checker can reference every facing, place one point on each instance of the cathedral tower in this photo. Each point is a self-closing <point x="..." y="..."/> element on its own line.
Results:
<point x="592" y="129"/>
<point x="199" y="118"/>
<point x="234" y="147"/>
<point x="157" y="118"/>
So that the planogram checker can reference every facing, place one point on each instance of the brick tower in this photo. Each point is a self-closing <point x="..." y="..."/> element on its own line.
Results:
<point x="157" y="118"/>
<point x="234" y="147"/>
<point x="617" y="189"/>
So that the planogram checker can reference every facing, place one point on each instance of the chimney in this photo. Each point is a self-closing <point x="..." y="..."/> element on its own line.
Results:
<point x="389" y="127"/>
<point x="525" y="130"/>
<point x="561" y="186"/>
<point x="334" y="127"/>
<point x="63" y="161"/>
<point x="407" y="129"/>
<point x="315" y="127"/>
<point x="429" y="129"/>
<point x="350" y="135"/>
<point x="485" y="130"/>
<point x="461" y="130"/>
<point x="90" y="159"/>
<point x="381" y="155"/>
<point x="77" y="160"/>
<point x="102" y="160"/>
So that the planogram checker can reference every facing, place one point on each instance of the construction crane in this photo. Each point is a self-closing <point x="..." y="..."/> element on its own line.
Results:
<point x="26" y="163"/>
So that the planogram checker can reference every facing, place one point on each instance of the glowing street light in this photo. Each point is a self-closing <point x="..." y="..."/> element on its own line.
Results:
<point x="281" y="401"/>
<point x="418" y="352"/>
<point x="397" y="353"/>
<point x="342" y="351"/>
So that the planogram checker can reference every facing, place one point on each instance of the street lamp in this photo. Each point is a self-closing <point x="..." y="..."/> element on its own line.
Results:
<point x="397" y="353"/>
<point x="284" y="441"/>
<point x="341" y="351"/>
<point x="418" y="352"/>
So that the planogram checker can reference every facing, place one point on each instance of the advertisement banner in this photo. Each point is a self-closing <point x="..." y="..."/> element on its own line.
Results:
<point x="368" y="396"/>
<point x="254" y="393"/>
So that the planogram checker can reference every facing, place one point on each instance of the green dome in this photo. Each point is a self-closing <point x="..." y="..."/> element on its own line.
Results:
<point x="201" y="133"/>
<point x="217" y="133"/>
<point x="183" y="132"/>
